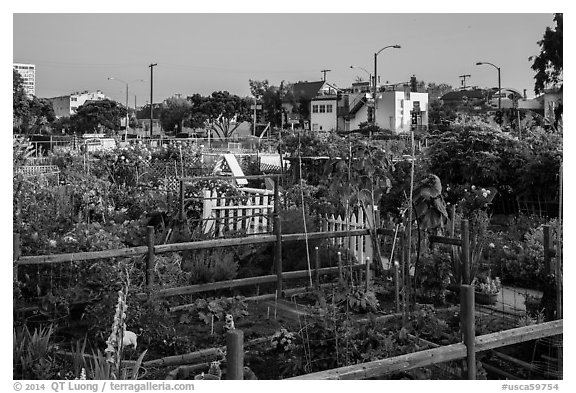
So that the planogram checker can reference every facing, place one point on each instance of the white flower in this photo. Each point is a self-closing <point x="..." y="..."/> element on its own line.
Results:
<point x="473" y="187"/>
<point x="491" y="245"/>
<point x="52" y="243"/>
<point x="485" y="194"/>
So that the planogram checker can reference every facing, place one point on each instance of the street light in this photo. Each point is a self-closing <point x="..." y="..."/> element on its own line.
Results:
<point x="366" y="71"/>
<point x="499" y="83"/>
<point x="376" y="76"/>
<point x="127" y="114"/>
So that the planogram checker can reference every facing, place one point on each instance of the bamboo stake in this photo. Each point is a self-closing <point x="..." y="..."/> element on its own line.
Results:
<point x="150" y="260"/>
<point x="466" y="279"/>
<point x="275" y="304"/>
<point x="405" y="279"/>
<point x="340" y="278"/>
<point x="407" y="286"/>
<point x="278" y="231"/>
<point x="397" y="285"/>
<point x="316" y="268"/>
<point x="15" y="253"/>
<point x="181" y="199"/>
<point x="368" y="273"/>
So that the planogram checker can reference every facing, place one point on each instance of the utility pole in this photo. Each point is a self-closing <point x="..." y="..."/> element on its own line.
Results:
<point x="324" y="72"/>
<point x="151" y="95"/>
<point x="463" y="77"/>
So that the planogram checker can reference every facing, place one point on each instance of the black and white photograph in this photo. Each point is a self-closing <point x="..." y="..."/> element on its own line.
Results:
<point x="291" y="193"/>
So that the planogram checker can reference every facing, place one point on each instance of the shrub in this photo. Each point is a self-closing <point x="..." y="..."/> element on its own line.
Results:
<point x="210" y="265"/>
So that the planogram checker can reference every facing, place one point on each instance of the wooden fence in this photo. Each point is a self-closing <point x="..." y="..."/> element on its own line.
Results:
<point x="359" y="246"/>
<point x="250" y="213"/>
<point x="447" y="353"/>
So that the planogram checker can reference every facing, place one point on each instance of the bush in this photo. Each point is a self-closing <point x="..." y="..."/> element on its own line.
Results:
<point x="213" y="265"/>
<point x="518" y="255"/>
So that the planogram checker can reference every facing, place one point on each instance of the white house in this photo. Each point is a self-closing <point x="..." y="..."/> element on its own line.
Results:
<point x="67" y="105"/>
<point x="324" y="113"/>
<point x="395" y="110"/>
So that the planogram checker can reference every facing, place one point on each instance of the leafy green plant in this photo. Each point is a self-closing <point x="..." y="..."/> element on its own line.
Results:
<point x="213" y="265"/>
<point x="32" y="353"/>
<point x="357" y="300"/>
<point x="435" y="275"/>
<point x="215" y="309"/>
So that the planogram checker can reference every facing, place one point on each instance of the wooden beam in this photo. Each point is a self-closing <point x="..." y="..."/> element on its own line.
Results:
<point x="197" y="245"/>
<point x="83" y="256"/>
<point x="197" y="288"/>
<point x="190" y="289"/>
<point x="204" y="244"/>
<point x="518" y="335"/>
<point x="324" y="235"/>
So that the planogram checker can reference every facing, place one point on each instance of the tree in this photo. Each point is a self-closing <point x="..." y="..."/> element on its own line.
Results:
<point x="225" y="112"/>
<point x="19" y="100"/>
<point x="63" y="124"/>
<point x="435" y="91"/>
<point x="94" y="115"/>
<point x="548" y="64"/>
<point x="271" y="99"/>
<point x="40" y="115"/>
<point x="197" y="118"/>
<point x="174" y="111"/>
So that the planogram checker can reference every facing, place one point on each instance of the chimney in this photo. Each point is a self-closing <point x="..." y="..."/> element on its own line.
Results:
<point x="524" y="94"/>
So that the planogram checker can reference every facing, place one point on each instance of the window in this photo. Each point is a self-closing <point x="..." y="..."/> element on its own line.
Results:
<point x="314" y="108"/>
<point x="329" y="108"/>
<point x="322" y="108"/>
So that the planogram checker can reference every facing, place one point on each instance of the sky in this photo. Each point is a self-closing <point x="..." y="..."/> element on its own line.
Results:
<point x="206" y="52"/>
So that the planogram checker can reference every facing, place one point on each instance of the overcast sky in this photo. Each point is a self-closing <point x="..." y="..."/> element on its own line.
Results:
<point x="202" y="53"/>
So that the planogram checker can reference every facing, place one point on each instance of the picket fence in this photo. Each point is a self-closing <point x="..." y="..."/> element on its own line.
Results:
<point x="251" y="213"/>
<point x="359" y="246"/>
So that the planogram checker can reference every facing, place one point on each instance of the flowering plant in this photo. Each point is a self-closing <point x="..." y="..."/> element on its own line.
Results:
<point x="488" y="285"/>
<point x="283" y="340"/>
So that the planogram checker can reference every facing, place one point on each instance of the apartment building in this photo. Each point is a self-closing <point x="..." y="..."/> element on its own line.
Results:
<point x="67" y="105"/>
<point x="28" y="74"/>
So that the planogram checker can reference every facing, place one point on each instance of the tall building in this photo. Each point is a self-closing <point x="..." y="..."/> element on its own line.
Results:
<point x="28" y="74"/>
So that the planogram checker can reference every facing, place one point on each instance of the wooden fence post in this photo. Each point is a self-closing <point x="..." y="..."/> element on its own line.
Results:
<point x="368" y="273"/>
<point x="235" y="354"/>
<point x="468" y="328"/>
<point x="316" y="268"/>
<point x="15" y="253"/>
<point x="466" y="279"/>
<point x="278" y="231"/>
<point x="150" y="260"/>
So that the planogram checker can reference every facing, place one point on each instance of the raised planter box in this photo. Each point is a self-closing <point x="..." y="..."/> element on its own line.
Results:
<point x="486" y="298"/>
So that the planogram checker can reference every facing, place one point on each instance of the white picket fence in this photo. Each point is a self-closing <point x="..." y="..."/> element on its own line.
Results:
<point x="251" y="214"/>
<point x="359" y="246"/>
